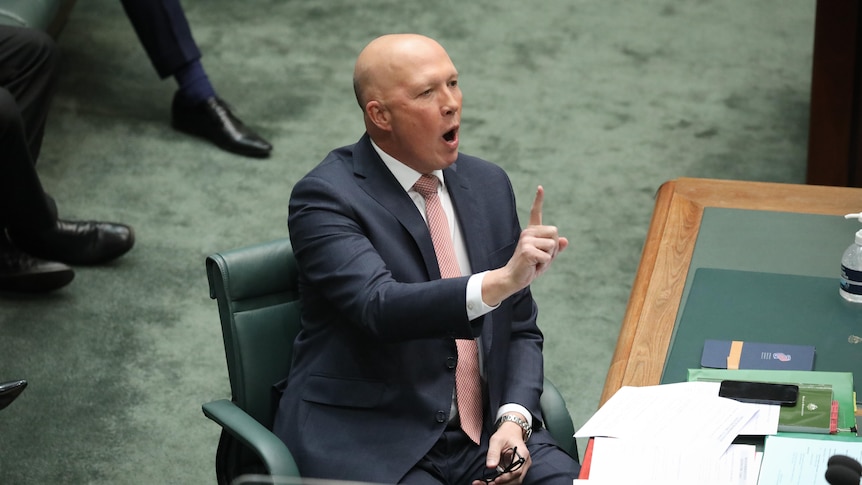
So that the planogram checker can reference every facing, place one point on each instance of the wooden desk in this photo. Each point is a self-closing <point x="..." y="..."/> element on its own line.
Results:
<point x="658" y="287"/>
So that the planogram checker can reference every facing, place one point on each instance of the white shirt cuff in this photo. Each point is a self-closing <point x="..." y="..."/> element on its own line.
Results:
<point x="476" y="307"/>
<point x="511" y="407"/>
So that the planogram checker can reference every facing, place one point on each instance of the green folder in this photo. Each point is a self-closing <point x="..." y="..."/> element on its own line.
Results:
<point x="841" y="382"/>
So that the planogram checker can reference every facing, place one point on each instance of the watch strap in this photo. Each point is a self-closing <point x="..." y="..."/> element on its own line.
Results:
<point x="525" y="426"/>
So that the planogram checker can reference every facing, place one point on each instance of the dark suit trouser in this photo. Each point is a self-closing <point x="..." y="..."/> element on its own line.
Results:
<point x="164" y="32"/>
<point x="456" y="459"/>
<point x="28" y="60"/>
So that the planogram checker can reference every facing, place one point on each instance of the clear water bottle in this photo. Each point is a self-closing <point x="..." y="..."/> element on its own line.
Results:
<point x="851" y="271"/>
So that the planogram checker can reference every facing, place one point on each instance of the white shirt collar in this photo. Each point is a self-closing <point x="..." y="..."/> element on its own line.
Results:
<point x="405" y="175"/>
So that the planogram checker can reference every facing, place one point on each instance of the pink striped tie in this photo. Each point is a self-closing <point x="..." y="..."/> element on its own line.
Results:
<point x="468" y="388"/>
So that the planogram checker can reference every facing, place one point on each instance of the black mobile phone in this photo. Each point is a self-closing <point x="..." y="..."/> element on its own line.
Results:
<point x="760" y="392"/>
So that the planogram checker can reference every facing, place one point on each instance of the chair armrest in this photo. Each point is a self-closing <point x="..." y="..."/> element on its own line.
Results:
<point x="558" y="421"/>
<point x="271" y="450"/>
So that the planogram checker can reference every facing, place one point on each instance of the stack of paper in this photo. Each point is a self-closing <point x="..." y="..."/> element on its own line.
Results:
<point x="674" y="433"/>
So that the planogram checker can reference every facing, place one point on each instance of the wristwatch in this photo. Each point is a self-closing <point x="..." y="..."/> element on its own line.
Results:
<point x="528" y="430"/>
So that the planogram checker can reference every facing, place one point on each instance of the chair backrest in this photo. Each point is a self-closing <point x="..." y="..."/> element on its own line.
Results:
<point x="558" y="421"/>
<point x="258" y="301"/>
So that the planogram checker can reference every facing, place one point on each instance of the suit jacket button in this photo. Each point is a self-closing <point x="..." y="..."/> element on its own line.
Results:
<point x="441" y="417"/>
<point x="451" y="362"/>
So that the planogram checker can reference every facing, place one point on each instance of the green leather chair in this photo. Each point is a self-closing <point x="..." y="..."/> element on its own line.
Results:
<point x="257" y="292"/>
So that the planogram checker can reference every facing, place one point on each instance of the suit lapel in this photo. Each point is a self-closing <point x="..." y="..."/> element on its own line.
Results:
<point x="379" y="183"/>
<point x="473" y="224"/>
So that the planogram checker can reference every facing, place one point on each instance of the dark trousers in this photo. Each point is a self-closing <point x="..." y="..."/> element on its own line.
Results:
<point x="164" y="32"/>
<point x="455" y="459"/>
<point x="28" y="60"/>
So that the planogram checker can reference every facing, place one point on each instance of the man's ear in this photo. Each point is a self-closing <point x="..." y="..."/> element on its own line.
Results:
<point x="378" y="115"/>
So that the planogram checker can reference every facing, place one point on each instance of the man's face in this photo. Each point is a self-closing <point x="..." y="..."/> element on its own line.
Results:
<point x="423" y="101"/>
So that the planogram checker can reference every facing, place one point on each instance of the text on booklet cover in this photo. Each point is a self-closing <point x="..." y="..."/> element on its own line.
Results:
<point x="737" y="354"/>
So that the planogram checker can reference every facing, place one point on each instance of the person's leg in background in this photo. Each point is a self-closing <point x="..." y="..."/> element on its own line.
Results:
<point x="164" y="32"/>
<point x="22" y="199"/>
<point x="33" y="240"/>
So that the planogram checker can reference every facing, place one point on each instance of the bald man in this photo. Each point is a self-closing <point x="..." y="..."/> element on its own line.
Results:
<point x="382" y="388"/>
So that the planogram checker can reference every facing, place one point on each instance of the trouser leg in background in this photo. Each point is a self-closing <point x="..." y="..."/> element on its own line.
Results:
<point x="28" y="61"/>
<point x="23" y="203"/>
<point x="28" y="71"/>
<point x="164" y="32"/>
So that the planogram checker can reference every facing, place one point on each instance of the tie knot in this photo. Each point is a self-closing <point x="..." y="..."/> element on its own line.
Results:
<point x="426" y="185"/>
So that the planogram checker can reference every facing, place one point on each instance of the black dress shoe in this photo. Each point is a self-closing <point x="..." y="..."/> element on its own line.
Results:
<point x="77" y="243"/>
<point x="213" y="120"/>
<point x="22" y="273"/>
<point x="10" y="390"/>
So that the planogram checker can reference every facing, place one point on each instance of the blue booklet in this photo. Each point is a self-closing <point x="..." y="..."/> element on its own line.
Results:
<point x="737" y="354"/>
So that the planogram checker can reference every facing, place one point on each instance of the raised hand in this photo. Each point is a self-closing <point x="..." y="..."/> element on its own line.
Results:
<point x="537" y="247"/>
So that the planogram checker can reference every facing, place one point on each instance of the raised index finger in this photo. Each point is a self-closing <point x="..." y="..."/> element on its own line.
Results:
<point x="536" y="210"/>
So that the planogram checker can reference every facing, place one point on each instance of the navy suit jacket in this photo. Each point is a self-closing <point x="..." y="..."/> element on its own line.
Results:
<point x="371" y="385"/>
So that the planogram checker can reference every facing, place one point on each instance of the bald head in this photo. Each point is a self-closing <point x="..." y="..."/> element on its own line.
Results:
<point x="411" y="101"/>
<point x="385" y="60"/>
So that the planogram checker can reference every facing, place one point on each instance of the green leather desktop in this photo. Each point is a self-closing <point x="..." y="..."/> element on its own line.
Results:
<point x="768" y="277"/>
<point x="756" y="242"/>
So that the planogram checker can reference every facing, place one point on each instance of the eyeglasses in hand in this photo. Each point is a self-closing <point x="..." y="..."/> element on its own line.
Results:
<point x="509" y="462"/>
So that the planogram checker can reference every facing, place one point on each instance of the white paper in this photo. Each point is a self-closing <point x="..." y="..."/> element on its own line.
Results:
<point x="625" y="461"/>
<point x="764" y="422"/>
<point x="669" y="414"/>
<point x="802" y="460"/>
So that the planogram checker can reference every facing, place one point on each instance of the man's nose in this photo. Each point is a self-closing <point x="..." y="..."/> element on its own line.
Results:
<point x="451" y="103"/>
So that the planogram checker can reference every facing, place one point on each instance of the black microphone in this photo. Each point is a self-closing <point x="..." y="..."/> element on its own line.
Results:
<point x="844" y="460"/>
<point x="843" y="470"/>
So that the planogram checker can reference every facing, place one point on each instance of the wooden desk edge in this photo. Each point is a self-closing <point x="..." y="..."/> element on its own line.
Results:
<point x="657" y="289"/>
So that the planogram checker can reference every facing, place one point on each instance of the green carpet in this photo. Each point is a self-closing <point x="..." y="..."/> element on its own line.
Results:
<point x="599" y="101"/>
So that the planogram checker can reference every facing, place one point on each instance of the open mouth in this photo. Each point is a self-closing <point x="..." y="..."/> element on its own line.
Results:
<point x="450" y="135"/>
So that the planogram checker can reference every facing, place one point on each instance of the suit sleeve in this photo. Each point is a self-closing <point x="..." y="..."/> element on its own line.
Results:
<point x="361" y="261"/>
<point x="524" y="365"/>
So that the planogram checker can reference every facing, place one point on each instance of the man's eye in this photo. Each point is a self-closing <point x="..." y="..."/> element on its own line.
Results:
<point x="453" y="84"/>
